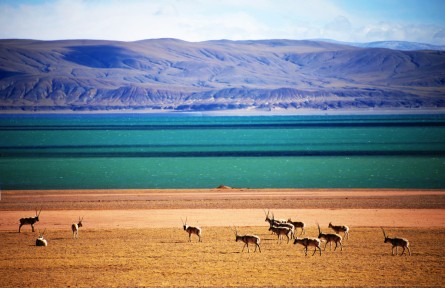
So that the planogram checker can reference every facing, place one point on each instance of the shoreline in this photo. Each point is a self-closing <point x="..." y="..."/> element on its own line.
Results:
<point x="152" y="208"/>
<point x="237" y="112"/>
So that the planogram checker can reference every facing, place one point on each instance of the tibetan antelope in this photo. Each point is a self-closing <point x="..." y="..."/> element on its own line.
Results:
<point x="191" y="230"/>
<point x="248" y="239"/>
<point x="306" y="242"/>
<point x="340" y="228"/>
<point x="330" y="238"/>
<point x="280" y="224"/>
<point x="75" y="227"/>
<point x="41" y="241"/>
<point x="272" y="221"/>
<point x="396" y="242"/>
<point x="280" y="231"/>
<point x="30" y="221"/>
<point x="297" y="224"/>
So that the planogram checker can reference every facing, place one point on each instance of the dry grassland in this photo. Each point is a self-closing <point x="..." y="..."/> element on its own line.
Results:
<point x="133" y="238"/>
<point x="163" y="257"/>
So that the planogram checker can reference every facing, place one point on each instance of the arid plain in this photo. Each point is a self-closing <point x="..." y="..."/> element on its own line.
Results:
<point x="135" y="238"/>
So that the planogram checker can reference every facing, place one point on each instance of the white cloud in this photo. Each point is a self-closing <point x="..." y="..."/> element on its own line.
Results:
<point x="197" y="20"/>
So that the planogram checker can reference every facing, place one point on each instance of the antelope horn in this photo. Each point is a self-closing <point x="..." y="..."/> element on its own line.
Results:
<point x="319" y="230"/>
<point x="39" y="211"/>
<point x="43" y="232"/>
<point x="384" y="234"/>
<point x="182" y="221"/>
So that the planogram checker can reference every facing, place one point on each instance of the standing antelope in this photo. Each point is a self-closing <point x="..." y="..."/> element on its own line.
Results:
<point x="396" y="242"/>
<point x="280" y="224"/>
<point x="41" y="241"/>
<point x="272" y="221"/>
<point x="75" y="227"/>
<point x="30" y="221"/>
<point x="330" y="238"/>
<point x="252" y="239"/>
<point x="280" y="231"/>
<point x="340" y="228"/>
<point x="306" y="242"/>
<point x="297" y="224"/>
<point x="191" y="230"/>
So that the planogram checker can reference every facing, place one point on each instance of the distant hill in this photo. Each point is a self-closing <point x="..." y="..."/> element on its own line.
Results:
<point x="395" y="45"/>
<point x="170" y="74"/>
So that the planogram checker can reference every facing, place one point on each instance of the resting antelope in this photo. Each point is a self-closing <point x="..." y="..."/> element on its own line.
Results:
<point x="252" y="239"/>
<point x="75" y="227"/>
<point x="340" y="228"/>
<point x="30" y="221"/>
<point x="280" y="231"/>
<point x="297" y="224"/>
<point x="41" y="241"/>
<point x="191" y="230"/>
<point x="330" y="238"/>
<point x="306" y="242"/>
<point x="396" y="242"/>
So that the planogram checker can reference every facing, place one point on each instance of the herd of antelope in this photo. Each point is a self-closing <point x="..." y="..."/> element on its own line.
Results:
<point x="280" y="227"/>
<point x="41" y="241"/>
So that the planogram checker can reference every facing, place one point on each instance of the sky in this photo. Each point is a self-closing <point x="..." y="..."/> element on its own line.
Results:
<point x="199" y="20"/>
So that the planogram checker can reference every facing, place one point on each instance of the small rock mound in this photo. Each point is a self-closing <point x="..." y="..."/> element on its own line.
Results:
<point x="223" y="187"/>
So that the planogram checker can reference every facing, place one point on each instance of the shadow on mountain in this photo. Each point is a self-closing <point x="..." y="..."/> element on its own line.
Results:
<point x="6" y="74"/>
<point x="100" y="56"/>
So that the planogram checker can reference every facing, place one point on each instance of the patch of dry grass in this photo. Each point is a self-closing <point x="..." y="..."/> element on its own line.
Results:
<point x="163" y="257"/>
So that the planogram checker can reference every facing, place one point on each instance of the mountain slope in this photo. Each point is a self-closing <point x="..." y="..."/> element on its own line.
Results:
<point x="214" y="75"/>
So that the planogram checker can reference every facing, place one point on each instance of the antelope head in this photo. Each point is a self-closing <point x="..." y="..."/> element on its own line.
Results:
<point x="79" y="224"/>
<point x="184" y="224"/>
<point x="38" y="214"/>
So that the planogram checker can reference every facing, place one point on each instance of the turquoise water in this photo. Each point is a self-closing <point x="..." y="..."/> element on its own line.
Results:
<point x="140" y="151"/>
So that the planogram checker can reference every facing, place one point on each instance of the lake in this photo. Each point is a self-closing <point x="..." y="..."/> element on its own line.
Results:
<point x="191" y="151"/>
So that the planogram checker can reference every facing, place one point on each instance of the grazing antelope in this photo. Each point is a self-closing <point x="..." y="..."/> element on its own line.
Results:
<point x="191" y="230"/>
<point x="297" y="224"/>
<point x="30" y="221"/>
<point x="41" y="241"/>
<point x="75" y="227"/>
<point x="340" y="228"/>
<point x="280" y="231"/>
<point x="330" y="238"/>
<point x="396" y="242"/>
<point x="306" y="242"/>
<point x="252" y="239"/>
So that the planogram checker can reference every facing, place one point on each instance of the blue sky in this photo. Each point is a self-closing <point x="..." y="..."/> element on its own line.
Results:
<point x="199" y="20"/>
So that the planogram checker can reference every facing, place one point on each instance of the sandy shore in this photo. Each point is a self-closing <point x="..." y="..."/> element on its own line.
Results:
<point x="224" y="207"/>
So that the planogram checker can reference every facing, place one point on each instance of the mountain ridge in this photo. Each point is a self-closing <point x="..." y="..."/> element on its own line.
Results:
<point x="176" y="75"/>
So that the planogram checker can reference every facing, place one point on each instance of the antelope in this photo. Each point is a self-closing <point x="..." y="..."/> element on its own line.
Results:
<point x="306" y="242"/>
<point x="30" y="221"/>
<point x="281" y="224"/>
<point x="191" y="230"/>
<point x="396" y="242"/>
<point x="297" y="224"/>
<point x="280" y="231"/>
<point x="75" y="227"/>
<point x="330" y="238"/>
<point x="252" y="239"/>
<point x="41" y="241"/>
<point x="340" y="228"/>
<point x="273" y="221"/>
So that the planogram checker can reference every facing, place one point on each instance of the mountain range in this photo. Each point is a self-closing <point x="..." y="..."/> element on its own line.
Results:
<point x="260" y="75"/>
